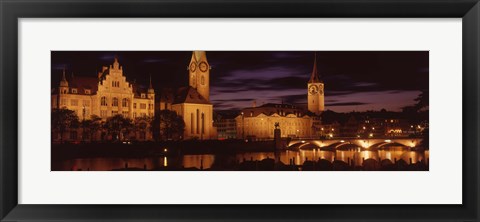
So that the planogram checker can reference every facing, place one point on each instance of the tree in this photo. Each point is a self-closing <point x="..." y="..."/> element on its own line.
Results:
<point x="118" y="126"/>
<point x="92" y="126"/>
<point x="171" y="125"/>
<point x="143" y="124"/>
<point x="422" y="100"/>
<point x="63" y="120"/>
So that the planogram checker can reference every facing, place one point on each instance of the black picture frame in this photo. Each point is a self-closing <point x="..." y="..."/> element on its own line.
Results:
<point x="11" y="11"/>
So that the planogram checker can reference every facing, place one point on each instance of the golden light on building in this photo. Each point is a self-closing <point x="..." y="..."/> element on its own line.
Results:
<point x="105" y="95"/>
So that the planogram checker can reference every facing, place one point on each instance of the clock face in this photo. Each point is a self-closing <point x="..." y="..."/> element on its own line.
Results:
<point x="203" y="66"/>
<point x="193" y="67"/>
<point x="313" y="89"/>
<point x="202" y="80"/>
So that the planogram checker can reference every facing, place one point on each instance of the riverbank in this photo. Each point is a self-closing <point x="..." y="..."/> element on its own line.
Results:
<point x="147" y="149"/>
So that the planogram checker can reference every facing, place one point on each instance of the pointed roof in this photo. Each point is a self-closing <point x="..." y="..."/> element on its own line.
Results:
<point x="150" y="86"/>
<point x="64" y="82"/>
<point x="199" y="55"/>
<point x="314" y="77"/>
<point x="63" y="77"/>
<point x="82" y="83"/>
<point x="189" y="95"/>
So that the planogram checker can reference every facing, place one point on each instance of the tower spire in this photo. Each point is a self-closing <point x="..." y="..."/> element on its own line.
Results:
<point x="63" y="76"/>
<point x="150" y="86"/>
<point x="314" y="77"/>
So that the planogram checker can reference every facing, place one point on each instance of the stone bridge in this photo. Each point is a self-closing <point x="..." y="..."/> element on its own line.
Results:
<point x="337" y="143"/>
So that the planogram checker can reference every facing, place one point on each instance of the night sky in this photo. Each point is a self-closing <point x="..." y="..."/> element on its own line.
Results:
<point x="354" y="81"/>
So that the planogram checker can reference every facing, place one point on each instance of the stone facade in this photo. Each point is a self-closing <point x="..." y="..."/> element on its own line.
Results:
<point x="106" y="95"/>
<point x="259" y="122"/>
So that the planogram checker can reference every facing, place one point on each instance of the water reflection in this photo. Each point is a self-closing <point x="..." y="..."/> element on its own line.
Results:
<point x="352" y="157"/>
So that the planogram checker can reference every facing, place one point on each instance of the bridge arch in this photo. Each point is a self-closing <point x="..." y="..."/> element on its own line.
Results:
<point x="370" y="143"/>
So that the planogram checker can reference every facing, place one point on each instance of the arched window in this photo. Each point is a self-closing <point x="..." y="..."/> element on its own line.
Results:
<point x="191" y="123"/>
<point x="124" y="102"/>
<point x="114" y="101"/>
<point x="203" y="123"/>
<point x="104" y="101"/>
<point x="198" y="121"/>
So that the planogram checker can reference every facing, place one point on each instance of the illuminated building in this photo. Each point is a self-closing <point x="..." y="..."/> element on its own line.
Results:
<point x="259" y="122"/>
<point x="193" y="101"/>
<point x="106" y="95"/>
<point x="315" y="91"/>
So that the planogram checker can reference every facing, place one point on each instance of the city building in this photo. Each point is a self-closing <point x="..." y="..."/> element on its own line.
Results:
<point x="226" y="124"/>
<point x="258" y="123"/>
<point x="315" y="91"/>
<point x="106" y="95"/>
<point x="192" y="102"/>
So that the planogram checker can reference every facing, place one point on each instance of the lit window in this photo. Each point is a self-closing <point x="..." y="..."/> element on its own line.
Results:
<point x="143" y="106"/>
<point x="104" y="101"/>
<point x="87" y="91"/>
<point x="142" y="95"/>
<point x="124" y="102"/>
<point x="74" y="90"/>
<point x="114" y="101"/>
<point x="134" y="105"/>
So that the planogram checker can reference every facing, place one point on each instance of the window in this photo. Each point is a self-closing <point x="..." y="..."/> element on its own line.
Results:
<point x="114" y="113"/>
<point x="198" y="121"/>
<point x="150" y="106"/>
<point x="103" y="113"/>
<point x="142" y="95"/>
<point x="203" y="123"/>
<point x="125" y="113"/>
<point x="114" y="101"/>
<point x="104" y="101"/>
<point x="63" y="102"/>
<point x="134" y="115"/>
<point x="143" y="106"/>
<point x="124" y="102"/>
<point x="191" y="123"/>
<point x="74" y="102"/>
<point x="74" y="90"/>
<point x="88" y="92"/>
<point x="86" y="103"/>
<point x="134" y="105"/>
<point x="115" y="84"/>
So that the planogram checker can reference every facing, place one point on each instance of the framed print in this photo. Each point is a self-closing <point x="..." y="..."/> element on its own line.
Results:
<point x="230" y="110"/>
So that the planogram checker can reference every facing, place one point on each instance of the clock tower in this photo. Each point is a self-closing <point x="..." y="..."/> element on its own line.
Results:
<point x="199" y="74"/>
<point x="315" y="91"/>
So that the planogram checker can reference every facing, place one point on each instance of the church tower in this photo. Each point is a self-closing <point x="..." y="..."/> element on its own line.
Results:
<point x="199" y="74"/>
<point x="315" y="91"/>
